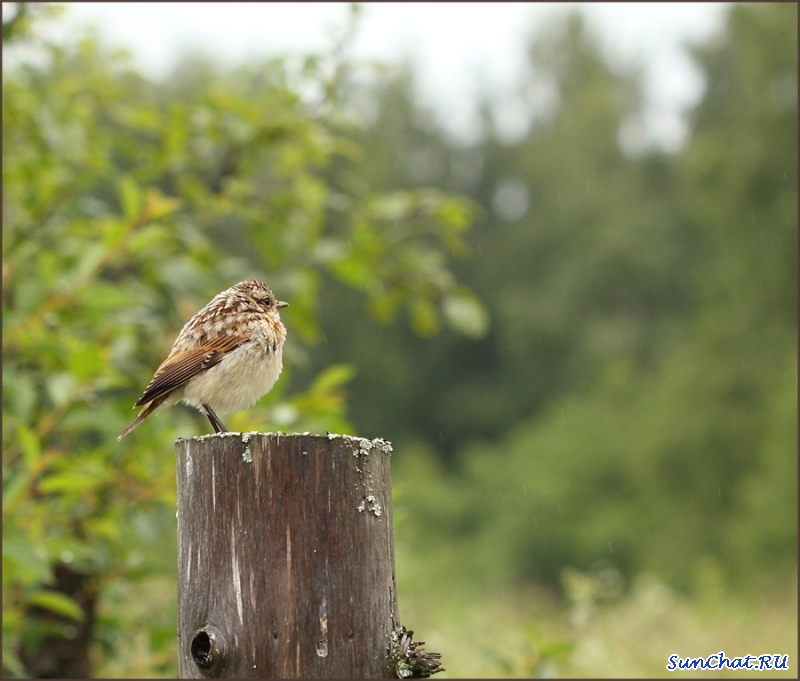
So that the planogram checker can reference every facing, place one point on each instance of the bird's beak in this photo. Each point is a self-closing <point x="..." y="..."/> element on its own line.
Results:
<point x="281" y="304"/>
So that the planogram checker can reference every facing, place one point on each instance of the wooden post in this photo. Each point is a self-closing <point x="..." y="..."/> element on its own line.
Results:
<point x="286" y="557"/>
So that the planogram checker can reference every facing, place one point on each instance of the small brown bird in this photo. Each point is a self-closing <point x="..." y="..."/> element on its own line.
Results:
<point x="225" y="358"/>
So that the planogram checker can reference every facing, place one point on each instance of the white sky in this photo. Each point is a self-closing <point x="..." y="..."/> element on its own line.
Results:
<point x="451" y="44"/>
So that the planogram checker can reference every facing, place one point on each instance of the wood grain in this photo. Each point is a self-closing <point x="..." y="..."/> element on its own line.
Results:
<point x="286" y="559"/>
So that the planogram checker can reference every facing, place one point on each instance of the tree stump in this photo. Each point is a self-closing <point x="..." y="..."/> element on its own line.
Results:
<point x="286" y="557"/>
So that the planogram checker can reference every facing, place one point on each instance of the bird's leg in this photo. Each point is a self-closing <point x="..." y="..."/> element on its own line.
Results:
<point x="218" y="426"/>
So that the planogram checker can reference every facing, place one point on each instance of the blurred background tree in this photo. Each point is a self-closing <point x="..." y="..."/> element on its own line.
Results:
<point x="639" y="373"/>
<point x="127" y="205"/>
<point x="595" y="382"/>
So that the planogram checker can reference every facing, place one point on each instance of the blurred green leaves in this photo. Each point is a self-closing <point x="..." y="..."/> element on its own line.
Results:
<point x="608" y="379"/>
<point x="127" y="205"/>
<point x="634" y="399"/>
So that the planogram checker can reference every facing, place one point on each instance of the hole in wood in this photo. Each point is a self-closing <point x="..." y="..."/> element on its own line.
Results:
<point x="206" y="648"/>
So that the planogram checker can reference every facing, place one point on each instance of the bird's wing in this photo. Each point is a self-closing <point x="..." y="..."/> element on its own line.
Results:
<point x="177" y="370"/>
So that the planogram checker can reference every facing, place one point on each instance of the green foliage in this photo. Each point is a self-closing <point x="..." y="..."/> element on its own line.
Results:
<point x="22" y="23"/>
<point x="603" y="382"/>
<point x="127" y="205"/>
<point x="634" y="400"/>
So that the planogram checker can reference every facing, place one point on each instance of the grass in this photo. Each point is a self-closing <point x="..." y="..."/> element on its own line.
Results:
<point x="526" y="633"/>
<point x="597" y="631"/>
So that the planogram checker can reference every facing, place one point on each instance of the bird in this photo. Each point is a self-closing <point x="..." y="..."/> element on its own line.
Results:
<point x="225" y="358"/>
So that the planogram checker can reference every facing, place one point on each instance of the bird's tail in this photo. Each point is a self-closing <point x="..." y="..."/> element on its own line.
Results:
<point x="148" y="409"/>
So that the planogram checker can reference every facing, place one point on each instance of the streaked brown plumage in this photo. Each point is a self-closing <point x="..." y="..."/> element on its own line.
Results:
<point x="225" y="358"/>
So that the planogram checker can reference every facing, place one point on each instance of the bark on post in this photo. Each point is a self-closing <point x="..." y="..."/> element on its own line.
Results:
<point x="286" y="558"/>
